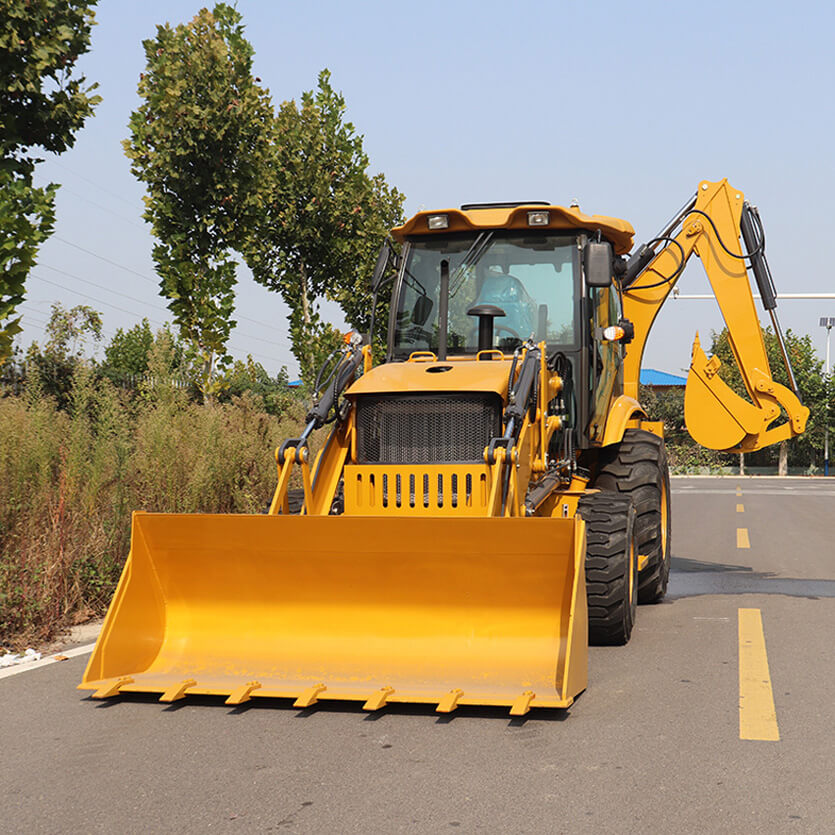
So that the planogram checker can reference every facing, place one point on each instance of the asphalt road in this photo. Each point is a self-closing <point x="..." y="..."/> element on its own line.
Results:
<point x="653" y="745"/>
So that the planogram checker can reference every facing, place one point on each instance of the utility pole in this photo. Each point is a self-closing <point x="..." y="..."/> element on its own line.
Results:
<point x="826" y="322"/>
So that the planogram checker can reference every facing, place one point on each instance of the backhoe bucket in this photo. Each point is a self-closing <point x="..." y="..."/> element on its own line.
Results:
<point x="378" y="609"/>
<point x="716" y="417"/>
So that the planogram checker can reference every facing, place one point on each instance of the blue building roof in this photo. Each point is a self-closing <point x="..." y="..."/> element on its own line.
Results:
<point x="651" y="377"/>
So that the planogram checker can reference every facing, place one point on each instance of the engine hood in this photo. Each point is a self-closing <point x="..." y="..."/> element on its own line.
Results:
<point x="449" y="375"/>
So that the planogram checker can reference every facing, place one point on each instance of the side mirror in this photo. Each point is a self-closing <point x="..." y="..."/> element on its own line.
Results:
<point x="380" y="266"/>
<point x="598" y="263"/>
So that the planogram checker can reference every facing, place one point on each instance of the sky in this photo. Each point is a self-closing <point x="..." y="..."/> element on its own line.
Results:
<point x="624" y="107"/>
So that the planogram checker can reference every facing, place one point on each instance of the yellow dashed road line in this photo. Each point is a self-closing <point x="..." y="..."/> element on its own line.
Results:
<point x="757" y="716"/>
<point x="742" y="540"/>
<point x="740" y="508"/>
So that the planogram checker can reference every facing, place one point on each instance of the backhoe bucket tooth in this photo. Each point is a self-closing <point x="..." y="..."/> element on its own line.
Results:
<point x="441" y="611"/>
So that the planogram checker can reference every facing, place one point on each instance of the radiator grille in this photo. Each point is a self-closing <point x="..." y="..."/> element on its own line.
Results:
<point x="426" y="428"/>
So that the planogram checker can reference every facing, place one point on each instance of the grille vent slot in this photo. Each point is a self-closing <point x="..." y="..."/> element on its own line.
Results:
<point x="426" y="428"/>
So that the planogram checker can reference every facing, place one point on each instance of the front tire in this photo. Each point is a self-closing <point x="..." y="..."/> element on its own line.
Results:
<point x="611" y="567"/>
<point x="637" y="467"/>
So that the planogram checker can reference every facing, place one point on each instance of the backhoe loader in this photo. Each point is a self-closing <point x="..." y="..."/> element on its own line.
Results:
<point x="490" y="499"/>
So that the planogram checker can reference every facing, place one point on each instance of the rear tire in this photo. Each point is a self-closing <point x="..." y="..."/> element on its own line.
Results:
<point x="637" y="467"/>
<point x="611" y="567"/>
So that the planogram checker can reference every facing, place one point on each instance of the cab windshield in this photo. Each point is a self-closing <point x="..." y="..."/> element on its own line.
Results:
<point x="530" y="277"/>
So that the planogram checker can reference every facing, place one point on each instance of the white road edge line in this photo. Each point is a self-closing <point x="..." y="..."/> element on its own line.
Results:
<point x="43" y="662"/>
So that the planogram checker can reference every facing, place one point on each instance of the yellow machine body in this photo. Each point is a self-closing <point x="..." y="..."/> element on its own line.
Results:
<point x="438" y="611"/>
<point x="458" y="581"/>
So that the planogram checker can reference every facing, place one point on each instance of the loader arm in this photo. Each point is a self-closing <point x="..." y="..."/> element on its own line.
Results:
<point x="715" y="415"/>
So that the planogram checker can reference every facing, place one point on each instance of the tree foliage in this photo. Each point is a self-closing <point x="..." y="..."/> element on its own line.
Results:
<point x="128" y="350"/>
<point x="323" y="223"/>
<point x="250" y="376"/>
<point x="68" y="332"/>
<point x="27" y="218"/>
<point x="807" y="448"/>
<point x="43" y="103"/>
<point x="128" y="354"/>
<point x="200" y="143"/>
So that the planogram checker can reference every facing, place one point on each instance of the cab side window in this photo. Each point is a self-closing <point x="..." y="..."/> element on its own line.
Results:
<point x="606" y="359"/>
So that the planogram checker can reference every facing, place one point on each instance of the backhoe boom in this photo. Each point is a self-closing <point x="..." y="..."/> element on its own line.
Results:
<point x="716" y="417"/>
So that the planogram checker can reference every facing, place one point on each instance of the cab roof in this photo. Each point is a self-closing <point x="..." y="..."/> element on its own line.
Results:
<point x="508" y="216"/>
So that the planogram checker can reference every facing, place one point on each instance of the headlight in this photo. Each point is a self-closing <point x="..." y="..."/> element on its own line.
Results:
<point x="539" y="218"/>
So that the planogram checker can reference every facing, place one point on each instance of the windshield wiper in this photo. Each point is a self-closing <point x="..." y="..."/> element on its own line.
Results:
<point x="473" y="255"/>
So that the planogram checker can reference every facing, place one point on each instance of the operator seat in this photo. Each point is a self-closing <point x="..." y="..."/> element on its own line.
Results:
<point x="507" y="292"/>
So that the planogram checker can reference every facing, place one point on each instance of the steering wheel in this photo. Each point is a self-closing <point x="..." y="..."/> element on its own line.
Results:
<point x="416" y="334"/>
<point x="498" y="328"/>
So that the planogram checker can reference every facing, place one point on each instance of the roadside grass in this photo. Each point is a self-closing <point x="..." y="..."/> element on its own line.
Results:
<point x="69" y="480"/>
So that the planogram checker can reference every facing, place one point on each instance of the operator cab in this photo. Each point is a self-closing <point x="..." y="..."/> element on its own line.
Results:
<point x="528" y="282"/>
<point x="482" y="281"/>
<point x="517" y="264"/>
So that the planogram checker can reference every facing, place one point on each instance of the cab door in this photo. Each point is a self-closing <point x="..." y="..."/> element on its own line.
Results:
<point x="606" y="358"/>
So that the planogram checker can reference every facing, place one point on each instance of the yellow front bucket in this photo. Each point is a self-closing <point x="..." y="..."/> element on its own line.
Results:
<point x="445" y="611"/>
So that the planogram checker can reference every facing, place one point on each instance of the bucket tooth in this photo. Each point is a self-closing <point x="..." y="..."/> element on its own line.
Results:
<point x="242" y="693"/>
<point x="523" y="704"/>
<point x="379" y="699"/>
<point x="177" y="691"/>
<point x="113" y="688"/>
<point x="310" y="696"/>
<point x="449" y="701"/>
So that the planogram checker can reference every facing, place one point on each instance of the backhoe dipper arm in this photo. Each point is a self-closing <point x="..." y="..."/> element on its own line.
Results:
<point x="715" y="415"/>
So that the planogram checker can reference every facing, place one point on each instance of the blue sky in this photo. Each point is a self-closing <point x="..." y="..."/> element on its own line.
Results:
<point x="625" y="107"/>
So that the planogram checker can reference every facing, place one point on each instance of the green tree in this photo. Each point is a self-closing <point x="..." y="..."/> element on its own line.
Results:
<point x="200" y="143"/>
<point x="127" y="355"/>
<point x="42" y="106"/>
<point x="323" y="224"/>
<point x="667" y="406"/>
<point x="685" y="454"/>
<point x="27" y="218"/>
<point x="806" y="449"/>
<point x="68" y="332"/>
<point x="251" y="376"/>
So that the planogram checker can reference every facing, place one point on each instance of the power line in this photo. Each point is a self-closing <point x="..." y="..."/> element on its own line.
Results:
<point x="152" y="321"/>
<point x="26" y="319"/>
<point x="141" y="301"/>
<point x="102" y="258"/>
<point x="93" y="298"/>
<point x="99" y="206"/>
<point x="101" y="287"/>
<point x="94" y="183"/>
<point x="143" y="276"/>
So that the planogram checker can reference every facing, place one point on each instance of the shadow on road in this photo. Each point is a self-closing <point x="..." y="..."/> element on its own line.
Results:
<point x="694" y="578"/>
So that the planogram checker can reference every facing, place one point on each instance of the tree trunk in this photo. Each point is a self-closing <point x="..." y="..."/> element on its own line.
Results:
<point x="304" y="356"/>
<point x="305" y="303"/>
<point x="742" y="463"/>
<point x="207" y="372"/>
<point x="783" y="465"/>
